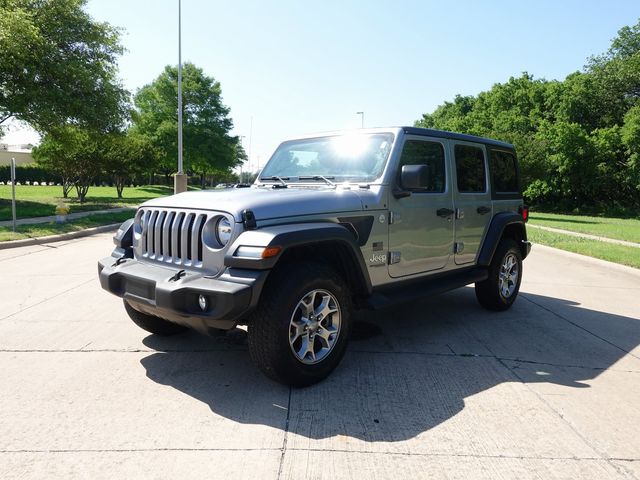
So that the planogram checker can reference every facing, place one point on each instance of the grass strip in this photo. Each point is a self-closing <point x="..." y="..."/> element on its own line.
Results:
<point x="41" y="201"/>
<point x="617" y="228"/>
<point x="46" y="229"/>
<point x="629" y="256"/>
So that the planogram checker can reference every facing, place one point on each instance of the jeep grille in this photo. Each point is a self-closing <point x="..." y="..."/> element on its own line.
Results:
<point x="172" y="236"/>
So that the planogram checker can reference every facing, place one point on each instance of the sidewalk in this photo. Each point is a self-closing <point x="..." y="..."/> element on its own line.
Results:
<point x="587" y="236"/>
<point x="71" y="216"/>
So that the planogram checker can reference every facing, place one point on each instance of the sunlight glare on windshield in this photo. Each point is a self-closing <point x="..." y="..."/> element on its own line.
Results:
<point x="350" y="146"/>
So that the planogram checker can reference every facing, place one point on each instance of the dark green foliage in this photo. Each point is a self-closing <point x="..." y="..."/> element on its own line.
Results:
<point x="208" y="148"/>
<point x="58" y="65"/>
<point x="578" y="140"/>
<point x="31" y="173"/>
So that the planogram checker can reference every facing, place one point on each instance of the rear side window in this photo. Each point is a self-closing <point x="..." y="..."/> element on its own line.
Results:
<point x="470" y="169"/>
<point x="504" y="172"/>
<point x="431" y="154"/>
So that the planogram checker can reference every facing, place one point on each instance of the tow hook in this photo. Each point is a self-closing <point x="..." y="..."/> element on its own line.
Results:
<point x="179" y="274"/>
<point x="119" y="261"/>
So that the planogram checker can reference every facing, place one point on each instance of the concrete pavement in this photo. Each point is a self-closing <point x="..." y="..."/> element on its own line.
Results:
<point x="440" y="389"/>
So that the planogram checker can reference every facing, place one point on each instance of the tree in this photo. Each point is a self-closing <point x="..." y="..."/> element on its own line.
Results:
<point x="73" y="154"/>
<point x="58" y="66"/>
<point x="208" y="146"/>
<point x="578" y="139"/>
<point x="124" y="155"/>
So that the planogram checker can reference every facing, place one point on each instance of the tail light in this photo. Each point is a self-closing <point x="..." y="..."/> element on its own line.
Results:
<point x="524" y="211"/>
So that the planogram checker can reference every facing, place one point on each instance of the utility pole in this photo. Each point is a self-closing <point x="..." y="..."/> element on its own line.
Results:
<point x="180" y="179"/>
<point x="361" y="118"/>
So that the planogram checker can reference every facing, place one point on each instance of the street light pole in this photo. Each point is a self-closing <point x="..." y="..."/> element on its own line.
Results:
<point x="361" y="118"/>
<point x="242" y="163"/>
<point x="180" y="179"/>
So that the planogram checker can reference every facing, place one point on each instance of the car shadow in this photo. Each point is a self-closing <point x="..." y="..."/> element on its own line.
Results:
<point x="407" y="370"/>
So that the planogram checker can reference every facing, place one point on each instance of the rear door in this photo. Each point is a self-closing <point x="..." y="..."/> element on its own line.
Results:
<point x="472" y="199"/>
<point x="421" y="225"/>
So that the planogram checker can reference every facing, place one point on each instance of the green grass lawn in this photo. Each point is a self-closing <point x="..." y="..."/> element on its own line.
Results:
<point x="606" y="251"/>
<point x="619" y="228"/>
<point x="45" y="229"/>
<point x="32" y="201"/>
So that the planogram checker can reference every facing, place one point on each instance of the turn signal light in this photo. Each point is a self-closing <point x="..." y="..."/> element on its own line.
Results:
<point x="257" y="252"/>
<point x="271" y="252"/>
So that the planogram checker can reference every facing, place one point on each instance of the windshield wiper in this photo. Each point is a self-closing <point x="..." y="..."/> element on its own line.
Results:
<point x="275" y="178"/>
<point x="319" y="177"/>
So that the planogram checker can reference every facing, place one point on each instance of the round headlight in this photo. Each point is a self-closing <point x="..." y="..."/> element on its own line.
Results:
<point x="223" y="231"/>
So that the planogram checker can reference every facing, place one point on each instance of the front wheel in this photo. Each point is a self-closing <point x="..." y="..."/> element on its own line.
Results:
<point x="500" y="289"/>
<point x="298" y="333"/>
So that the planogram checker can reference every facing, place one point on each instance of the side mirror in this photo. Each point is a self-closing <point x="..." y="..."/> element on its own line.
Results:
<point x="414" y="177"/>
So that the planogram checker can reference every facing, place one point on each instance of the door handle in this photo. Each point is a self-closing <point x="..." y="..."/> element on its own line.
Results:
<point x="482" y="210"/>
<point x="444" y="212"/>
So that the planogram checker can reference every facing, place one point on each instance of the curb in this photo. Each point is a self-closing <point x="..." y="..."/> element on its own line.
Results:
<point x="60" y="237"/>
<point x="596" y="261"/>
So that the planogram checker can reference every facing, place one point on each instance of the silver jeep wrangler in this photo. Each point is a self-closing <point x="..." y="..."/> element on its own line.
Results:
<point x="334" y="222"/>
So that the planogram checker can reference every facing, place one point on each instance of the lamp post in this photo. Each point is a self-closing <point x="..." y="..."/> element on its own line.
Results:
<point x="180" y="179"/>
<point x="242" y="163"/>
<point x="361" y="118"/>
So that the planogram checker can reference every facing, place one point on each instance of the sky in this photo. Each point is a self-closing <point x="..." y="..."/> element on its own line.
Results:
<point x="295" y="67"/>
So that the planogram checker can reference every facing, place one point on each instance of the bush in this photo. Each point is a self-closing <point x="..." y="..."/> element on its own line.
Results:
<point x="31" y="173"/>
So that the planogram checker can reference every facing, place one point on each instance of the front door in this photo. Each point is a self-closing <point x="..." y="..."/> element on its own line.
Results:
<point x="421" y="228"/>
<point x="472" y="200"/>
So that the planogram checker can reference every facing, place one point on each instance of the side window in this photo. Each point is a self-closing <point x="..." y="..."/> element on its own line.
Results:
<point x="431" y="154"/>
<point x="470" y="169"/>
<point x="504" y="173"/>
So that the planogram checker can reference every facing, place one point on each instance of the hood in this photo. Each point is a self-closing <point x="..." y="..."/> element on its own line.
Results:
<point x="266" y="203"/>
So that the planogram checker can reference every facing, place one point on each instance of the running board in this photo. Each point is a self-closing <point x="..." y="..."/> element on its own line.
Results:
<point x="412" y="290"/>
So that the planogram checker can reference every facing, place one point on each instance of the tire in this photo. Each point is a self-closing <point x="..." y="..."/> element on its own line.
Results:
<point x="493" y="293"/>
<point x="151" y="323"/>
<point x="299" y="331"/>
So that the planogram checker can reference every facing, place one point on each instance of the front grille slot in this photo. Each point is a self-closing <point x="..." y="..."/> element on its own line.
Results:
<point x="172" y="236"/>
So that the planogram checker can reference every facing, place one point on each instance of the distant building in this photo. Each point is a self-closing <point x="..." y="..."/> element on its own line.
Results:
<point x="22" y="154"/>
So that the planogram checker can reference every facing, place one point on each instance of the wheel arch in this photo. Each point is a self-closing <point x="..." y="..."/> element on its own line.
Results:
<point x="503" y="225"/>
<point x="326" y="243"/>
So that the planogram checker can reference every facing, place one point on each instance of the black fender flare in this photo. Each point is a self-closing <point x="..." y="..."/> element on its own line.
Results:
<point x="287" y="237"/>
<point x="498" y="225"/>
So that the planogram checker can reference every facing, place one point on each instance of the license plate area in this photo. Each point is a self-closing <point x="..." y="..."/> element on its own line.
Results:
<point x="141" y="288"/>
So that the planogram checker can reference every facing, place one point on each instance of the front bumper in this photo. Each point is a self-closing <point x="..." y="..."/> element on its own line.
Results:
<point x="154" y="290"/>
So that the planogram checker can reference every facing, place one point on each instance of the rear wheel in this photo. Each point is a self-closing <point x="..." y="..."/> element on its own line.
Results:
<point x="151" y="323"/>
<point x="298" y="333"/>
<point x="500" y="289"/>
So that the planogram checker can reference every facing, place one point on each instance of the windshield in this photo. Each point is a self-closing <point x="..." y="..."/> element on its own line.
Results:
<point x="341" y="158"/>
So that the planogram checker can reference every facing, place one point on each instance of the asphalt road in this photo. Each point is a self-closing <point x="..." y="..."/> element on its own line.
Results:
<point x="440" y="389"/>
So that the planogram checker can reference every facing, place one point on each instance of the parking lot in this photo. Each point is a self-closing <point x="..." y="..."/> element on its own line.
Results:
<point x="439" y="389"/>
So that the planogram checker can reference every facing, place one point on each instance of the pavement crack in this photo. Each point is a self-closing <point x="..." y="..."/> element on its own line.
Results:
<point x="563" y="419"/>
<point x="580" y="327"/>
<point x="128" y="450"/>
<point x="47" y="299"/>
<point x="495" y="357"/>
<point x="286" y="435"/>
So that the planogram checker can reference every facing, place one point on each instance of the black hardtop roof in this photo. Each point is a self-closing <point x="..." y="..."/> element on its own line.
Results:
<point x="455" y="136"/>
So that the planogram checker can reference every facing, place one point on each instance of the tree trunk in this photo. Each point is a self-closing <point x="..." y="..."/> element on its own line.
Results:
<point x="82" y="188"/>
<point x="67" y="185"/>
<point x="202" y="181"/>
<point x="119" y="182"/>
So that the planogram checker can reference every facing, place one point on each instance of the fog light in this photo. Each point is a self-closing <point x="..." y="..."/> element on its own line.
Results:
<point x="202" y="301"/>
